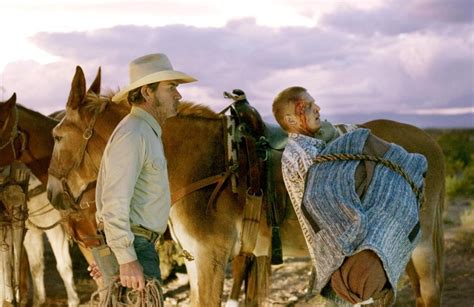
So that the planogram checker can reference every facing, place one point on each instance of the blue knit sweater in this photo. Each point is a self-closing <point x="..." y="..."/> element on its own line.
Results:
<point x="385" y="221"/>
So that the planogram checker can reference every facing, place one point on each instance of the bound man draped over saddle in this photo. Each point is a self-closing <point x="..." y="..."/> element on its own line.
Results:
<point x="357" y="200"/>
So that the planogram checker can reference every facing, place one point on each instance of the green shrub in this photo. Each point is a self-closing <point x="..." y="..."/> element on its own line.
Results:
<point x="458" y="149"/>
<point x="461" y="186"/>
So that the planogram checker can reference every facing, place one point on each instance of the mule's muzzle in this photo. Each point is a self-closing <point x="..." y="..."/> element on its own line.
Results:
<point x="56" y="196"/>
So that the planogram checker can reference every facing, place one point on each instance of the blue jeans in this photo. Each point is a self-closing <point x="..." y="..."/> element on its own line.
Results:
<point x="148" y="257"/>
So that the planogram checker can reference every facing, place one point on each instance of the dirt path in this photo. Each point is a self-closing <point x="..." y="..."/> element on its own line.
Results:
<point x="289" y="280"/>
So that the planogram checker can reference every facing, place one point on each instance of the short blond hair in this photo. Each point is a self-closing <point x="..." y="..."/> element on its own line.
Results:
<point x="283" y="100"/>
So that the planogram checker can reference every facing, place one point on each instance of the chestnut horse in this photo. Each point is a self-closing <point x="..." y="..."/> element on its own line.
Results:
<point x="195" y="149"/>
<point x="27" y="135"/>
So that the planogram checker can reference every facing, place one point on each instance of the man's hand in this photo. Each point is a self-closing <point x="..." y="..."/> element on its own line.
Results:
<point x="94" y="271"/>
<point x="360" y="277"/>
<point x="131" y="275"/>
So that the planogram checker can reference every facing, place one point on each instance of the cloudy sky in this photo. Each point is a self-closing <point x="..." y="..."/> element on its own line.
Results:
<point x="411" y="61"/>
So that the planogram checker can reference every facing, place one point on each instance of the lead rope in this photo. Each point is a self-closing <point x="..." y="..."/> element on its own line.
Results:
<point x="150" y="296"/>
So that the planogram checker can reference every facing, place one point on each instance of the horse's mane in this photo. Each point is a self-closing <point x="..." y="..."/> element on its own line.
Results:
<point x="94" y="101"/>
<point x="190" y="109"/>
<point x="30" y="111"/>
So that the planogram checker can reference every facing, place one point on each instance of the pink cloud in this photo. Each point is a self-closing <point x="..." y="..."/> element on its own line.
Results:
<point x="358" y="75"/>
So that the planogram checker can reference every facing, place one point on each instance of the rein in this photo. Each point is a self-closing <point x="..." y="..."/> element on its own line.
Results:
<point x="14" y="134"/>
<point x="387" y="163"/>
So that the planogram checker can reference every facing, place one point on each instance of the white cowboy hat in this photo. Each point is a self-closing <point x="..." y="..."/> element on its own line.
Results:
<point x="150" y="69"/>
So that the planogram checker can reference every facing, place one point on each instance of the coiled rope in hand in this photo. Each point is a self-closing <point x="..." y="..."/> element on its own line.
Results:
<point x="116" y="295"/>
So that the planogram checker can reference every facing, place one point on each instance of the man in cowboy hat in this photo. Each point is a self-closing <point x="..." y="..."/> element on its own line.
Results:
<point x="133" y="194"/>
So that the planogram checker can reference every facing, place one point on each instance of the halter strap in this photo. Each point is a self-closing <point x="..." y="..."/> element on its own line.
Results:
<point x="86" y="136"/>
<point x="14" y="134"/>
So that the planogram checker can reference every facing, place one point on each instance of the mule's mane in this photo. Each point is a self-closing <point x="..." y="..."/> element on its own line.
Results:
<point x="95" y="101"/>
<point x="30" y="111"/>
<point x="190" y="109"/>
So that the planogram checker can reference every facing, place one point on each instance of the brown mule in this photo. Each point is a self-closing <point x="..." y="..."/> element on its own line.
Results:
<point x="195" y="150"/>
<point x="26" y="137"/>
<point x="33" y="145"/>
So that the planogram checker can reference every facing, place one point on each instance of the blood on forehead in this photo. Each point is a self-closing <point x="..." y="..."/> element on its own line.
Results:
<point x="300" y="106"/>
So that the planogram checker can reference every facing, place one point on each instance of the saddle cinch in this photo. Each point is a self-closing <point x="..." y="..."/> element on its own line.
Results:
<point x="255" y="147"/>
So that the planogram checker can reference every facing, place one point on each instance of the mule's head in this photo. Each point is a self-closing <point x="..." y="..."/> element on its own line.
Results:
<point x="8" y="130"/>
<point x="73" y="167"/>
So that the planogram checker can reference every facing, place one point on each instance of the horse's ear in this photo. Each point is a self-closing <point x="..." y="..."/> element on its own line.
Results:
<point x="12" y="100"/>
<point x="9" y="104"/>
<point x="78" y="89"/>
<point x="95" y="86"/>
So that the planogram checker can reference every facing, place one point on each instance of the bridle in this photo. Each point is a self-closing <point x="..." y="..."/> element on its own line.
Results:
<point x="14" y="134"/>
<point x="86" y="136"/>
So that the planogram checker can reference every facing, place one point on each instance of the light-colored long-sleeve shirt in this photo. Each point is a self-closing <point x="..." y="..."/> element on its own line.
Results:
<point x="132" y="186"/>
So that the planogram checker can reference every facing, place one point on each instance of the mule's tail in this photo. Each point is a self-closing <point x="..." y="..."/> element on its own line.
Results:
<point x="438" y="238"/>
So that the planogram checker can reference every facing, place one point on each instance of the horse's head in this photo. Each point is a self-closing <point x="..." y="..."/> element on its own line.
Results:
<point x="73" y="167"/>
<point x="9" y="150"/>
<point x="79" y="141"/>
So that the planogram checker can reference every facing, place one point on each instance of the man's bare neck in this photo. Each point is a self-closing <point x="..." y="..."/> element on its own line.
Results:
<point x="159" y="116"/>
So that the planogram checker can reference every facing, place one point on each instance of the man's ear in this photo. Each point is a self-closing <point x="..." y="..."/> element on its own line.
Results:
<point x="290" y="120"/>
<point x="146" y="92"/>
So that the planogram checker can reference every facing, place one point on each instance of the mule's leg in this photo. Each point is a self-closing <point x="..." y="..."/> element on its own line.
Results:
<point x="24" y="277"/>
<point x="206" y="275"/>
<point x="425" y="264"/>
<point x="428" y="256"/>
<point x="210" y="238"/>
<point x="33" y="244"/>
<point x="60" y="246"/>
<point x="414" y="279"/>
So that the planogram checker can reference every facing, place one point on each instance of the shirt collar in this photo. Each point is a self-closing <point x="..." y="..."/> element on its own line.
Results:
<point x="148" y="118"/>
<point x="304" y="138"/>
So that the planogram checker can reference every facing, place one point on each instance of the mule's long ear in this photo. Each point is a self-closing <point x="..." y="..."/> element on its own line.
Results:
<point x="95" y="86"/>
<point x="78" y="89"/>
<point x="12" y="100"/>
<point x="9" y="104"/>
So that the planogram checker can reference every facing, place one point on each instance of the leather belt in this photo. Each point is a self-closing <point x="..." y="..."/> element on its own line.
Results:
<point x="141" y="231"/>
